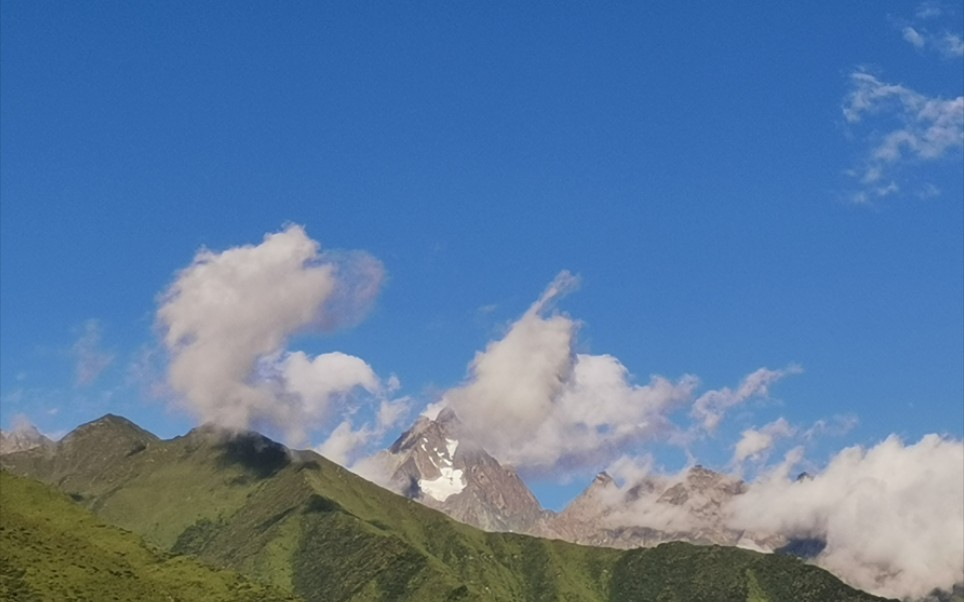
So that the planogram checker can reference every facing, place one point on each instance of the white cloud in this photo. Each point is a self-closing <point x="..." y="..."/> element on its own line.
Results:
<point x="391" y="412"/>
<point x="711" y="406"/>
<point x="835" y="426"/>
<point x="892" y="515"/>
<point x="951" y="45"/>
<point x="947" y="44"/>
<point x="535" y="403"/>
<point x="90" y="360"/>
<point x="914" y="37"/>
<point x="226" y="320"/>
<point x="755" y="444"/>
<point x="924" y="31"/>
<point x="343" y="442"/>
<point x="928" y="10"/>
<point x="317" y="380"/>
<point x="918" y="128"/>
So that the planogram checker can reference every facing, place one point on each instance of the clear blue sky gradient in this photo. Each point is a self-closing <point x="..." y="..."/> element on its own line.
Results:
<point x="688" y="160"/>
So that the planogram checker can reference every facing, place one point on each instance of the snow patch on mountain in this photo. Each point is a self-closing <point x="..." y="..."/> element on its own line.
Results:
<point x="448" y="484"/>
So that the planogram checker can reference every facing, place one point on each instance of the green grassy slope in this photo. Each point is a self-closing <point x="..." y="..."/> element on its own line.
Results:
<point x="302" y="523"/>
<point x="53" y="549"/>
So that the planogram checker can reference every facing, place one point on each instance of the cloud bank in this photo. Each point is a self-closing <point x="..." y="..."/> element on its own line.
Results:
<point x="892" y="515"/>
<point x="226" y="320"/>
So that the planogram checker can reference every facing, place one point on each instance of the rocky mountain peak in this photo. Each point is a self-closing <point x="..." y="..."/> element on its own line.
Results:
<point x="702" y="487"/>
<point x="436" y="463"/>
<point x="426" y="430"/>
<point x="689" y="508"/>
<point x="110" y="425"/>
<point x="447" y="418"/>
<point x="23" y="438"/>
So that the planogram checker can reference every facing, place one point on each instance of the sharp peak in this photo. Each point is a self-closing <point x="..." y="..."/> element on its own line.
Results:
<point x="699" y="469"/>
<point x="445" y="420"/>
<point x="446" y="424"/>
<point x="447" y="415"/>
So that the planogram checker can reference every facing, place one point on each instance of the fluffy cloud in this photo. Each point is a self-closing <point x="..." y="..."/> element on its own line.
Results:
<point x="535" y="403"/>
<point x="892" y="515"/>
<point x="89" y="358"/>
<point x="921" y="128"/>
<point x="227" y="318"/>
<point x="754" y="444"/>
<point x="516" y="380"/>
<point x="345" y="444"/>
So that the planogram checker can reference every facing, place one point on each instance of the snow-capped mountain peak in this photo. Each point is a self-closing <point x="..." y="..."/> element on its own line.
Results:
<point x="436" y="463"/>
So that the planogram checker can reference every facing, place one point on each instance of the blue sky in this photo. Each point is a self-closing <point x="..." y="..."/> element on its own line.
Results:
<point x="775" y="186"/>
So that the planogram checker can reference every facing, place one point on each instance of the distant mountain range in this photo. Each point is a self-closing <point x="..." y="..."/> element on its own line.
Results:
<point x="295" y="522"/>
<point x="436" y="463"/>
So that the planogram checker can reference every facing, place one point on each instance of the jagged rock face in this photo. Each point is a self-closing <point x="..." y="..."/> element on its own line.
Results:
<point x="436" y="464"/>
<point x="23" y="439"/>
<point x="650" y="512"/>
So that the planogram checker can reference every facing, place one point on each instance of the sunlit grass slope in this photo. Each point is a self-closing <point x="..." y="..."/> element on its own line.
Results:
<point x="53" y="549"/>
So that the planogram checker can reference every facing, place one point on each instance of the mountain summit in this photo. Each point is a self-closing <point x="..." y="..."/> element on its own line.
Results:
<point x="23" y="438"/>
<point x="650" y="511"/>
<point x="436" y="463"/>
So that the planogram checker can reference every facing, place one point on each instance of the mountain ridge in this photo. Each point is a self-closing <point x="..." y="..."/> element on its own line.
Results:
<point x="296" y="521"/>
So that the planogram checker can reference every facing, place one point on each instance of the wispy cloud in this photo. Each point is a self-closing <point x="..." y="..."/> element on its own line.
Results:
<point x="928" y="10"/>
<point x="947" y="44"/>
<point x="710" y="407"/>
<point x="90" y="360"/>
<point x="346" y="443"/>
<point x="906" y="127"/>
<point x="934" y="28"/>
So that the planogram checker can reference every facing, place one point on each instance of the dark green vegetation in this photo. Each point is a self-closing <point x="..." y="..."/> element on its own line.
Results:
<point x="296" y="521"/>
<point x="53" y="549"/>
